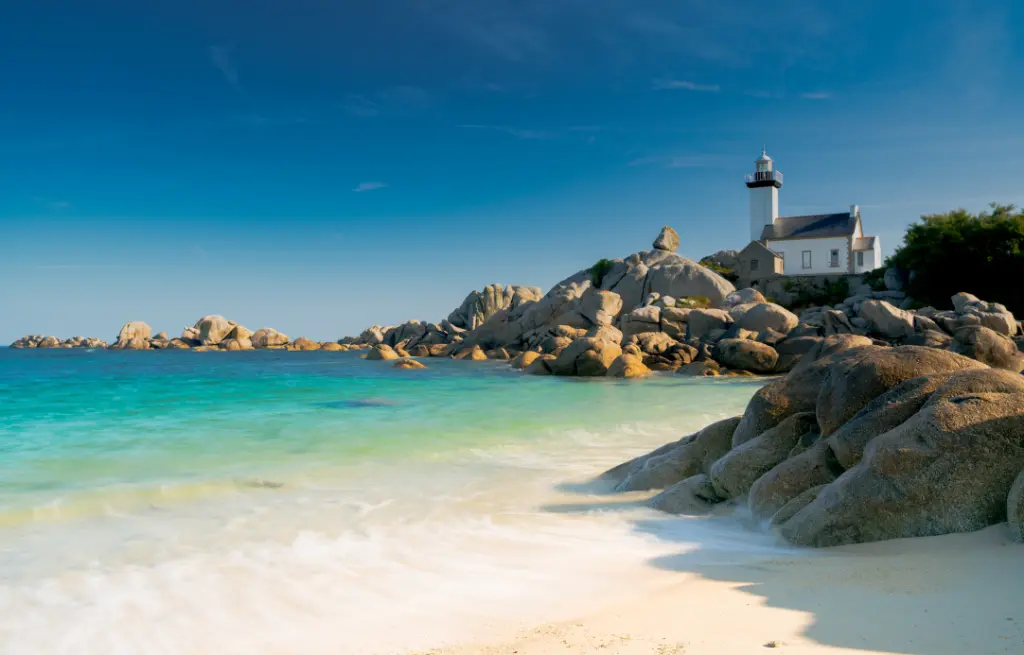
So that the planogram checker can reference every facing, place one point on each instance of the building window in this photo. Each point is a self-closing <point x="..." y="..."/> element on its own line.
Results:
<point x="753" y="264"/>
<point x="860" y="258"/>
<point x="806" y="258"/>
<point x="834" y="260"/>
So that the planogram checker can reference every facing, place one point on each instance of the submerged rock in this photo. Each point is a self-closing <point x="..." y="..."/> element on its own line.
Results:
<point x="408" y="364"/>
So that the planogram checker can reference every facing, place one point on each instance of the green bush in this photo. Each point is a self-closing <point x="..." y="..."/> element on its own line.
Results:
<point x="727" y="273"/>
<point x="808" y="294"/>
<point x="959" y="251"/>
<point x="693" y="302"/>
<point x="601" y="268"/>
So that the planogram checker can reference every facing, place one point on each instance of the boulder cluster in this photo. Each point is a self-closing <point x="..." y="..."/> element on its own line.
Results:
<point x="40" y="341"/>
<point x="652" y="311"/>
<point x="622" y="317"/>
<point x="858" y="442"/>
<point x="210" y="333"/>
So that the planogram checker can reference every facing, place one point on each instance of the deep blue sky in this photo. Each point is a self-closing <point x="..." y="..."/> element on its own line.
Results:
<point x="320" y="165"/>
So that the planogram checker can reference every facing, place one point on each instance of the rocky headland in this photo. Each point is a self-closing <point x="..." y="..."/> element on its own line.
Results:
<point x="883" y="421"/>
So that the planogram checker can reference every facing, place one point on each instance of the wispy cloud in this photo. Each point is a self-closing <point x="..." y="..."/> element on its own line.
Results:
<point x="223" y="58"/>
<point x="369" y="186"/>
<point x="517" y="132"/>
<point x="393" y="101"/>
<point x="667" y="84"/>
<point x="72" y="267"/>
<point x="816" y="95"/>
<point x="764" y="95"/>
<point x="681" y="161"/>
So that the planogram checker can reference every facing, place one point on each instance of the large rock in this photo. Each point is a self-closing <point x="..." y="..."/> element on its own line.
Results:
<point x="587" y="357"/>
<point x="766" y="316"/>
<point x="893" y="279"/>
<point x="371" y="336"/>
<point x="702" y="322"/>
<point x="827" y="459"/>
<point x="668" y="239"/>
<point x="481" y="305"/>
<point x="791" y="350"/>
<point x="812" y="468"/>
<point x="669" y="274"/>
<point x="746" y="296"/>
<point x="854" y="381"/>
<point x="746" y="355"/>
<point x="213" y="329"/>
<point x="382" y="352"/>
<point x="268" y="338"/>
<point x="302" y="343"/>
<point x="133" y="336"/>
<point x="798" y="391"/>
<point x="930" y="339"/>
<point x="694" y="495"/>
<point x="628" y="366"/>
<point x="600" y="307"/>
<point x="887" y="321"/>
<point x="987" y="346"/>
<point x="693" y="454"/>
<point x="949" y="468"/>
<point x="735" y="473"/>
<point x="962" y="300"/>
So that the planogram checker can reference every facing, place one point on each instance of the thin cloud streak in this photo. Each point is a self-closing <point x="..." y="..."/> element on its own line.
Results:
<point x="222" y="57"/>
<point x="369" y="186"/>
<point x="686" y="85"/>
<point x="684" y="161"/>
<point x="517" y="132"/>
<point x="816" y="95"/>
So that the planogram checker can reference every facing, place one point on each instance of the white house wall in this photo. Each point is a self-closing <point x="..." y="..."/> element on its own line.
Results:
<point x="872" y="258"/>
<point x="792" y="254"/>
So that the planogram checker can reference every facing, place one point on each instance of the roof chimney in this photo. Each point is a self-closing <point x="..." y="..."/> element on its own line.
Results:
<point x="854" y="211"/>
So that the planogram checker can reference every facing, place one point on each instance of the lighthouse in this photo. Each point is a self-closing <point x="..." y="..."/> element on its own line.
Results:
<point x="764" y="185"/>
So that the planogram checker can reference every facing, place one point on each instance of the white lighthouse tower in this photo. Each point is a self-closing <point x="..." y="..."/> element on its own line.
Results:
<point x="764" y="187"/>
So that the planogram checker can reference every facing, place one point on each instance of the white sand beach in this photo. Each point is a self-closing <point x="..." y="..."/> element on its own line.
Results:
<point x="949" y="595"/>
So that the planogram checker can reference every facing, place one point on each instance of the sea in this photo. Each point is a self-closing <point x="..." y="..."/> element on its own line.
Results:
<point x="299" y="502"/>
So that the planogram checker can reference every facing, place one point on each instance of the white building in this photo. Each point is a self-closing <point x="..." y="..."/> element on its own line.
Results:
<point x="818" y="244"/>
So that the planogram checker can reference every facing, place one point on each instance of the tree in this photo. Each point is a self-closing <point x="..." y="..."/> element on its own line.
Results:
<point x="958" y="251"/>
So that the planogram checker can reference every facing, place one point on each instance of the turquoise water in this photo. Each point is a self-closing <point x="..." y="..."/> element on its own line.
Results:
<point x="302" y="502"/>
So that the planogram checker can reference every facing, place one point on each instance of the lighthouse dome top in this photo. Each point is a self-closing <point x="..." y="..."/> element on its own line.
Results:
<point x="764" y="158"/>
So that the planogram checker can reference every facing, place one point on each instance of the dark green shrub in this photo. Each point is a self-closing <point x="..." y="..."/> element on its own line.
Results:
<point x="958" y="251"/>
<point x="599" y="270"/>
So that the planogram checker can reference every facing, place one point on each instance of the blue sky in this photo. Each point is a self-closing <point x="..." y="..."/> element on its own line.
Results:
<point x="321" y="165"/>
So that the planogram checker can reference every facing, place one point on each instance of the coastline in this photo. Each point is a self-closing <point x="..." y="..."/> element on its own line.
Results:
<point x="944" y="595"/>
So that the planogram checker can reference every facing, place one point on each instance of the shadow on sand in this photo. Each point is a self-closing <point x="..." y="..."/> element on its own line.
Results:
<point x="950" y="595"/>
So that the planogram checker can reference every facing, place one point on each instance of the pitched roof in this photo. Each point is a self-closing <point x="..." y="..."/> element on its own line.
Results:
<point x="810" y="227"/>
<point x="864" y="243"/>
<point x="758" y="246"/>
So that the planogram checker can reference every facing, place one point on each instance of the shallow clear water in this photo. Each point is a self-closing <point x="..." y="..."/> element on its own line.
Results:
<point x="272" y="502"/>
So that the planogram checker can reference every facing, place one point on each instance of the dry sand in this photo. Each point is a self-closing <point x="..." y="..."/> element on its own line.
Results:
<point x="950" y="595"/>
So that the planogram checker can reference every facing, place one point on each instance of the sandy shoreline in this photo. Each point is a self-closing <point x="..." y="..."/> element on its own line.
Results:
<point x="949" y="595"/>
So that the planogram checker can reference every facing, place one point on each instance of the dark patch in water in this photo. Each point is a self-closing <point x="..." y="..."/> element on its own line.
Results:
<point x="357" y="403"/>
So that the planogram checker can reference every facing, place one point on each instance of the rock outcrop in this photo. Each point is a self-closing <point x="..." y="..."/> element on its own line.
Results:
<point x="481" y="305"/>
<point x="268" y="338"/>
<point x="41" y="341"/>
<point x="668" y="240"/>
<point x="988" y="346"/>
<point x="133" y="336"/>
<point x="859" y="442"/>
